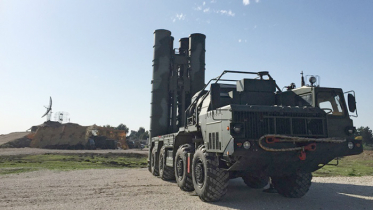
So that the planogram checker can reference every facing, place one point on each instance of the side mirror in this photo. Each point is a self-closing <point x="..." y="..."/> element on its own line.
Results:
<point x="215" y="95"/>
<point x="351" y="102"/>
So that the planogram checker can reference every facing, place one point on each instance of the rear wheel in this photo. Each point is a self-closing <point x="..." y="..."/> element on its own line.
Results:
<point x="293" y="186"/>
<point x="154" y="162"/>
<point x="256" y="182"/>
<point x="165" y="172"/>
<point x="210" y="182"/>
<point x="183" y="178"/>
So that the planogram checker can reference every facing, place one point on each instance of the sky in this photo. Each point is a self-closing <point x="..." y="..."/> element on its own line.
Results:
<point x="94" y="58"/>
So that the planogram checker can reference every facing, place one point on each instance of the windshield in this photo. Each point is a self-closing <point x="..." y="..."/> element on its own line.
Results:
<point x="330" y="102"/>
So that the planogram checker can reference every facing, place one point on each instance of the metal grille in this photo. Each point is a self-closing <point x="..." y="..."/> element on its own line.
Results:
<point x="214" y="142"/>
<point x="258" y="124"/>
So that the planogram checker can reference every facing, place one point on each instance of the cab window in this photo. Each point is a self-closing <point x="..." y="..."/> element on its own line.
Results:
<point x="330" y="102"/>
<point x="307" y="98"/>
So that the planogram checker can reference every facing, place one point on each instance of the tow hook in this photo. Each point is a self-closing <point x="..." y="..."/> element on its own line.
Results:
<point x="302" y="155"/>
<point x="271" y="139"/>
<point x="310" y="147"/>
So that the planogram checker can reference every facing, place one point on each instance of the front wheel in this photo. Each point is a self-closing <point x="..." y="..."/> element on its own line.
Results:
<point x="293" y="186"/>
<point x="210" y="182"/>
<point x="256" y="182"/>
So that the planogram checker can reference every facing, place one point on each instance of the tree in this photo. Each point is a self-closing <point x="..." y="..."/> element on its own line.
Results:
<point x="142" y="134"/>
<point x="122" y="127"/>
<point x="107" y="126"/>
<point x="366" y="134"/>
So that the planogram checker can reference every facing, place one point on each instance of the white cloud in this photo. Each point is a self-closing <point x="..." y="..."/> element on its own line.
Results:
<point x="242" y="40"/>
<point x="180" y="16"/>
<point x="205" y="9"/>
<point x="226" y="12"/>
<point x="247" y="2"/>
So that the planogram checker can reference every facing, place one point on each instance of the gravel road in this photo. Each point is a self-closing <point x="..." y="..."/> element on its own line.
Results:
<point x="138" y="189"/>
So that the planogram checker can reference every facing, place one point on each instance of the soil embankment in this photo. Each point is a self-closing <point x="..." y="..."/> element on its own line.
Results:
<point x="15" y="139"/>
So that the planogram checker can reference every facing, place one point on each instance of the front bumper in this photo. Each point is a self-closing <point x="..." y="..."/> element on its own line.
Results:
<point x="276" y="163"/>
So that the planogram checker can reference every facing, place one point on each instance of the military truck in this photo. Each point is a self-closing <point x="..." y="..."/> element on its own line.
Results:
<point x="202" y="135"/>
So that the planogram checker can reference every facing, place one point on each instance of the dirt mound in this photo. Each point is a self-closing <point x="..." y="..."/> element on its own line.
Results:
<point x="54" y="135"/>
<point x="15" y="140"/>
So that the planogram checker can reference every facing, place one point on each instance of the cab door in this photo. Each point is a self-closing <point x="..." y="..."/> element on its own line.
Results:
<point x="333" y="103"/>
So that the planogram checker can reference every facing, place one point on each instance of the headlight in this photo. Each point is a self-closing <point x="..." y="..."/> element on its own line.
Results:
<point x="237" y="128"/>
<point x="246" y="145"/>
<point x="349" y="130"/>
<point x="350" y="145"/>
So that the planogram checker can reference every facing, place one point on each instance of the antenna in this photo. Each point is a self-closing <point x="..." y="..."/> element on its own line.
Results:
<point x="302" y="80"/>
<point x="48" y="113"/>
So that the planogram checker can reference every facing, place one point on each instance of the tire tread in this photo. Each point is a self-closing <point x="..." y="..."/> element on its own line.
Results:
<point x="293" y="186"/>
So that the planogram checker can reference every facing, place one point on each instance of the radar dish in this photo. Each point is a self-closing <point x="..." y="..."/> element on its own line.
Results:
<point x="48" y="113"/>
<point x="61" y="117"/>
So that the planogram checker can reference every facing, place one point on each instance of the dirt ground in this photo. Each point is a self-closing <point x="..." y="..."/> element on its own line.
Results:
<point x="138" y="189"/>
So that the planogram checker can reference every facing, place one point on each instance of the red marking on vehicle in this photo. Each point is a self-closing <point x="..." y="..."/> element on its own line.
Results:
<point x="188" y="165"/>
<point x="302" y="155"/>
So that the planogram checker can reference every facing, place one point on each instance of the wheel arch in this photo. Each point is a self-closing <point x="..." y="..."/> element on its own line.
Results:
<point x="181" y="139"/>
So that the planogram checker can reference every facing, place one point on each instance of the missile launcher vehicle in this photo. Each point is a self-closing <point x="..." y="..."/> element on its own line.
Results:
<point x="202" y="135"/>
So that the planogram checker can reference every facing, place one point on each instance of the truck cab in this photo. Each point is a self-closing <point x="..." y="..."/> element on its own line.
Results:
<point x="333" y="102"/>
<point x="259" y="129"/>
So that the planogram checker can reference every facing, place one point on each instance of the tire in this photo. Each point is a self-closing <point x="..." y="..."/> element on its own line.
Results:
<point x="165" y="172"/>
<point x="154" y="162"/>
<point x="183" y="178"/>
<point x="210" y="182"/>
<point x="256" y="182"/>
<point x="293" y="186"/>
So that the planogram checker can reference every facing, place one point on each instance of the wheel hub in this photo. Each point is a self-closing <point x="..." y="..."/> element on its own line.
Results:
<point x="199" y="173"/>
<point x="161" y="163"/>
<point x="180" y="168"/>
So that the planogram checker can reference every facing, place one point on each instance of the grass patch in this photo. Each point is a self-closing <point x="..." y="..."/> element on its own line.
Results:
<point x="356" y="165"/>
<point x="368" y="147"/>
<point x="26" y="163"/>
